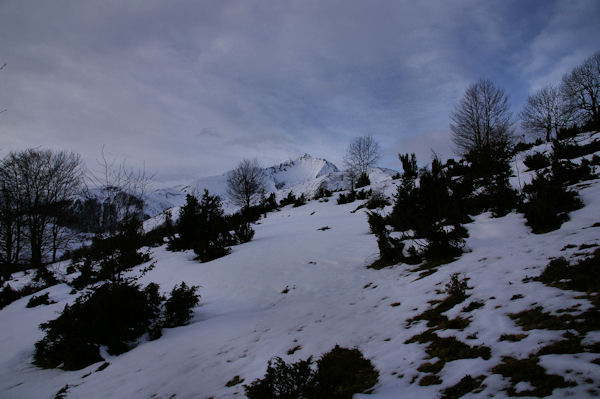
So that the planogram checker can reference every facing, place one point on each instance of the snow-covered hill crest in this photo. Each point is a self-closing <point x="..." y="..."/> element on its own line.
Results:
<point x="301" y="170"/>
<point x="303" y="175"/>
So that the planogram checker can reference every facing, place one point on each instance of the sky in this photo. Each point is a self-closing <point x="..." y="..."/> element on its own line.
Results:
<point x="187" y="89"/>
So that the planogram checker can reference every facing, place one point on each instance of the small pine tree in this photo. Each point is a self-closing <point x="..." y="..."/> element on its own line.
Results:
<point x="179" y="305"/>
<point x="186" y="225"/>
<point x="203" y="228"/>
<point x="290" y="199"/>
<point x="363" y="180"/>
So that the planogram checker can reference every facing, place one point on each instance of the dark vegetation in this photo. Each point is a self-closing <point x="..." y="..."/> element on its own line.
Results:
<point x="113" y="315"/>
<point x="8" y="294"/>
<point x="39" y="300"/>
<point x="584" y="275"/>
<point x="581" y="276"/>
<point x="465" y="385"/>
<point x="203" y="227"/>
<point x="353" y="195"/>
<point x="528" y="370"/>
<point x="425" y="226"/>
<point x="339" y="373"/>
<point x="445" y="349"/>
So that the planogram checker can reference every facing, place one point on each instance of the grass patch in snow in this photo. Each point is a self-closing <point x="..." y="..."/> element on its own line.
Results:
<point x="581" y="276"/>
<point x="529" y="371"/>
<point x="430" y="379"/>
<point x="293" y="350"/>
<point x="234" y="381"/>
<point x="464" y="386"/>
<point x="473" y="306"/>
<point x="456" y="290"/>
<point x="512" y="337"/>
<point x="434" y="368"/>
<point x="446" y="350"/>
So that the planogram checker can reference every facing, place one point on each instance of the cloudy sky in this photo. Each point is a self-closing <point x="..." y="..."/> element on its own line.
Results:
<point x="191" y="87"/>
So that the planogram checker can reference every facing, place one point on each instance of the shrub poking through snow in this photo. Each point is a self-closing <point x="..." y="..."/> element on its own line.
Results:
<point x="343" y="372"/>
<point x="457" y="287"/>
<point x="536" y="161"/>
<point x="178" y="308"/>
<point x="322" y="192"/>
<point x="203" y="228"/>
<point x="9" y="295"/>
<point x="115" y="316"/>
<point x="289" y="200"/>
<point x="339" y="374"/>
<point x="39" y="300"/>
<point x="390" y="249"/>
<point x="377" y="200"/>
<point x="283" y="381"/>
<point x="549" y="203"/>
<point x="243" y="233"/>
<point x="363" y="180"/>
<point x="299" y="201"/>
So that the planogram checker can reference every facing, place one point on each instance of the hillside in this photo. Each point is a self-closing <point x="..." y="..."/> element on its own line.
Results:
<point x="297" y="289"/>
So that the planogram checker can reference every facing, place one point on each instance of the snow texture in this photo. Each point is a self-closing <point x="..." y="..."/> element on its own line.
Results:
<point x="245" y="318"/>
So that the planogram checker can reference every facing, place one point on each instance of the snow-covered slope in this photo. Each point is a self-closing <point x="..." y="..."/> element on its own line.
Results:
<point x="290" y="173"/>
<point x="247" y="316"/>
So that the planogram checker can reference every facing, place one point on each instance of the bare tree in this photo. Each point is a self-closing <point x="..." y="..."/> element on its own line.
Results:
<point x="481" y="121"/>
<point x="246" y="183"/>
<point x="545" y="112"/>
<point x="124" y="188"/>
<point x="40" y="182"/>
<point x="362" y="153"/>
<point x="11" y="220"/>
<point x="581" y="89"/>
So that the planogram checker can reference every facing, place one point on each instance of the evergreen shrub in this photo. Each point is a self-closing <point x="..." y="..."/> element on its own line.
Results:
<point x="536" y="161"/>
<point x="178" y="308"/>
<point x="363" y="180"/>
<point x="114" y="316"/>
<point x="339" y="374"/>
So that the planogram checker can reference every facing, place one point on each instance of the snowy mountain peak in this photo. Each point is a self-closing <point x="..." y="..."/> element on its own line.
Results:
<point x="303" y="169"/>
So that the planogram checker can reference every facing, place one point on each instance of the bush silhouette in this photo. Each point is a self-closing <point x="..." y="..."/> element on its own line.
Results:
<point x="340" y="373"/>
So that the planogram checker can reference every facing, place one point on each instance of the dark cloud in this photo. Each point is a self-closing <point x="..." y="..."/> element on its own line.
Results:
<point x="192" y="87"/>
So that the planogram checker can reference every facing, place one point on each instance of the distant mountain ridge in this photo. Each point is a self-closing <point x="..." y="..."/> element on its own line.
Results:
<point x="302" y="175"/>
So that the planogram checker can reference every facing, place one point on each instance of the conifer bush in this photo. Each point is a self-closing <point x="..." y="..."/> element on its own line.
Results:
<point x="243" y="233"/>
<point x="548" y="203"/>
<point x="322" y="192"/>
<point x="299" y="201"/>
<point x="343" y="372"/>
<point x="178" y="308"/>
<point x="289" y="200"/>
<point x="283" y="381"/>
<point x="363" y="180"/>
<point x="536" y="161"/>
<point x="390" y="249"/>
<point x="203" y="228"/>
<point x="339" y="374"/>
<point x="346" y="198"/>
<point x="433" y="210"/>
<point x="39" y="300"/>
<point x="113" y="315"/>
<point x="457" y="287"/>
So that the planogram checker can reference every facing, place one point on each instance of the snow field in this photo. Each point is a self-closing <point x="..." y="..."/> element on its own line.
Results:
<point x="245" y="318"/>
